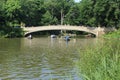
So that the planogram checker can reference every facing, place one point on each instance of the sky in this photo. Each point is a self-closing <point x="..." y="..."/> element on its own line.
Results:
<point x="77" y="0"/>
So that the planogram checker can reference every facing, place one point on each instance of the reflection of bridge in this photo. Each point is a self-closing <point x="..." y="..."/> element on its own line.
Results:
<point x="98" y="31"/>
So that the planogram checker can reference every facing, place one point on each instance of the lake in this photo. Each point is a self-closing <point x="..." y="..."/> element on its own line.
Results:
<point x="41" y="58"/>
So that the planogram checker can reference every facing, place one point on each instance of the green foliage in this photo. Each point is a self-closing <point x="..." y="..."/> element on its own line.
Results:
<point x="72" y="17"/>
<point x="48" y="19"/>
<point x="2" y="33"/>
<point x="11" y="32"/>
<point x="115" y="34"/>
<point x="104" y="13"/>
<point x="102" y="62"/>
<point x="32" y="11"/>
<point x="15" y="32"/>
<point x="2" y="15"/>
<point x="59" y="9"/>
<point x="12" y="10"/>
<point x="86" y="12"/>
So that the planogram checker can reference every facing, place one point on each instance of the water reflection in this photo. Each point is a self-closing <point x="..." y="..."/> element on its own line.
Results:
<point x="40" y="58"/>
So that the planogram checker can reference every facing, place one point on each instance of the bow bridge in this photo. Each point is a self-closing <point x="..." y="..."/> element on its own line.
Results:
<point x="98" y="31"/>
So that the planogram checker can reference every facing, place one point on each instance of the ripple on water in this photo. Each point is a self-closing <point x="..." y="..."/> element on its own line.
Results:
<point x="39" y="59"/>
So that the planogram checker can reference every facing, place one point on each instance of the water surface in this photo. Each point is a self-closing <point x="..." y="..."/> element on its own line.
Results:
<point x="40" y="58"/>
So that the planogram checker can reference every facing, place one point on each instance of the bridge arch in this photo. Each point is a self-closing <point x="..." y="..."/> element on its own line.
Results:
<point x="94" y="30"/>
<point x="30" y="30"/>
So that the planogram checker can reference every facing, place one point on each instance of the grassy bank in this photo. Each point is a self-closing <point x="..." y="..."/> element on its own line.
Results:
<point x="101" y="62"/>
<point x="115" y="34"/>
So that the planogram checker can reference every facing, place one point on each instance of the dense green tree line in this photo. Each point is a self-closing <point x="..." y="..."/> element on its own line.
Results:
<point x="100" y="12"/>
<point x="94" y="13"/>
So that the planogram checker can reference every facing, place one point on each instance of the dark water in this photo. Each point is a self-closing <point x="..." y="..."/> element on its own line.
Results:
<point x="40" y="58"/>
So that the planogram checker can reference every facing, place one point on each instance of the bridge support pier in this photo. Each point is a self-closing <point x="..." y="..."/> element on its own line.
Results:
<point x="100" y="33"/>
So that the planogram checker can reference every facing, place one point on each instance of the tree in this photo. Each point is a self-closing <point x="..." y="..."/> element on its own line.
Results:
<point x="59" y="8"/>
<point x="2" y="15"/>
<point x="48" y="19"/>
<point x="86" y="12"/>
<point x="72" y="17"/>
<point x="104" y="13"/>
<point x="32" y="11"/>
<point x="12" y="11"/>
<point x="64" y="6"/>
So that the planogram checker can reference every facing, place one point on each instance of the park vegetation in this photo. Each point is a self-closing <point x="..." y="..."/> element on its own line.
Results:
<point x="101" y="62"/>
<point x="94" y="13"/>
<point x="115" y="34"/>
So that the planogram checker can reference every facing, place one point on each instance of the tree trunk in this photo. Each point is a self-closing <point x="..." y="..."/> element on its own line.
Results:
<point x="62" y="17"/>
